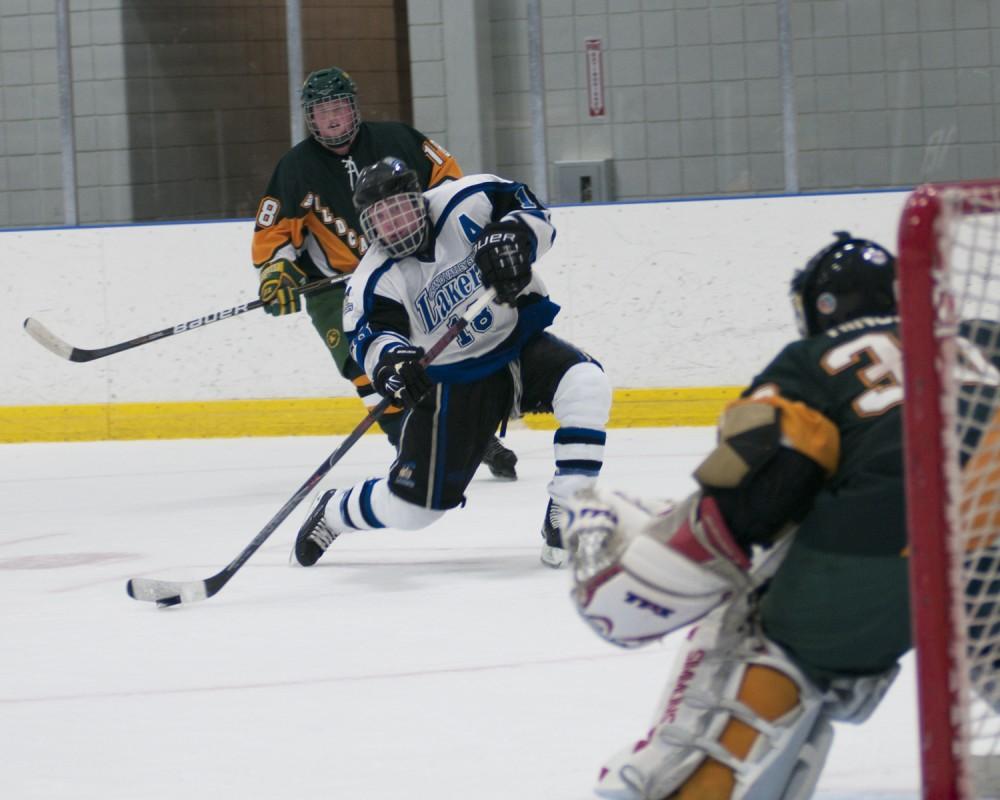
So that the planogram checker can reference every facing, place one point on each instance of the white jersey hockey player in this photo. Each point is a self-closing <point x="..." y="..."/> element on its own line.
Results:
<point x="433" y="255"/>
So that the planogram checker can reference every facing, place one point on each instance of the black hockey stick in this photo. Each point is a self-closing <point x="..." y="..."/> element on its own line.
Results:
<point x="54" y="344"/>
<point x="170" y="593"/>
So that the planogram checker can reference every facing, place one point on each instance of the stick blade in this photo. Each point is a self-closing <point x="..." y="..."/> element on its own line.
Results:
<point x="48" y="339"/>
<point x="166" y="593"/>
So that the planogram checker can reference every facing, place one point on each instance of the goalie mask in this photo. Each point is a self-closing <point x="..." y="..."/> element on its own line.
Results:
<point x="391" y="207"/>
<point x="848" y="279"/>
<point x="330" y="106"/>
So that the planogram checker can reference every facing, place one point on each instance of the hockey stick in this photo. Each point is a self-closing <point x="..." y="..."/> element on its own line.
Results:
<point x="170" y="593"/>
<point x="47" y="339"/>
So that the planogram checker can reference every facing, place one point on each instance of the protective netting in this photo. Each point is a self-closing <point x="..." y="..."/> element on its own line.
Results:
<point x="967" y="299"/>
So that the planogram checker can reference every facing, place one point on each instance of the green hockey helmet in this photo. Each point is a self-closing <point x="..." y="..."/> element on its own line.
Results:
<point x="845" y="280"/>
<point x="330" y="106"/>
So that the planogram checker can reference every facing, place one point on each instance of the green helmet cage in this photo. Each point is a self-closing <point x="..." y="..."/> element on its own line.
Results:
<point x="327" y="85"/>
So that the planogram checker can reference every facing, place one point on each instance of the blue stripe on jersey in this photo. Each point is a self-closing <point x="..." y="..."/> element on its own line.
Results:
<point x="580" y="436"/>
<point x="440" y="466"/>
<point x="365" y="500"/>
<point x="344" y="513"/>
<point x="367" y="301"/>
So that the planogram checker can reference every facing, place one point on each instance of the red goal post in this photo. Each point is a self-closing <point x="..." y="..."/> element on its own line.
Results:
<point x="949" y="301"/>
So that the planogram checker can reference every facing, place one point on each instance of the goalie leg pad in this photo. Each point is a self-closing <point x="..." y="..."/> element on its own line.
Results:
<point x="739" y="720"/>
<point x="853" y="699"/>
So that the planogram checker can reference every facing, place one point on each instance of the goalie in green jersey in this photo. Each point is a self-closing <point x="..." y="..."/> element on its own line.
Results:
<point x="791" y="553"/>
<point x="307" y="227"/>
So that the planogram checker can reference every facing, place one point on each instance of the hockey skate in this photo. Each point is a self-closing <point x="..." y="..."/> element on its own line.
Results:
<point x="500" y="460"/>
<point x="315" y="535"/>
<point x="553" y="553"/>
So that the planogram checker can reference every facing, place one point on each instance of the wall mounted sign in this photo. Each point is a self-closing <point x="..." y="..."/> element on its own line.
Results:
<point x="595" y="77"/>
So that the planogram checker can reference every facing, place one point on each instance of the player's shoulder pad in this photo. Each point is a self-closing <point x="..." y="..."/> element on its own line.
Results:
<point x="752" y="429"/>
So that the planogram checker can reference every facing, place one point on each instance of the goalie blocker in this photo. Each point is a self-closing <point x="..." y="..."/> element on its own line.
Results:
<point x="643" y="570"/>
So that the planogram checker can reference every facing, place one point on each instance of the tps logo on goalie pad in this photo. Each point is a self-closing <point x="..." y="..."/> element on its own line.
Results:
<point x="647" y="605"/>
<point x="624" y="617"/>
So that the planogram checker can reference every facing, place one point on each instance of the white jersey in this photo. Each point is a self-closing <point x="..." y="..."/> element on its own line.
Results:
<point x="413" y="300"/>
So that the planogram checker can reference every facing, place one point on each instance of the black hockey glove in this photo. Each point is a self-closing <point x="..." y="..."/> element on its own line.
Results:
<point x="503" y="254"/>
<point x="400" y="375"/>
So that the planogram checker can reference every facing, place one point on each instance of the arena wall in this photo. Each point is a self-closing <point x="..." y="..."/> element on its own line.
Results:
<point x="682" y="302"/>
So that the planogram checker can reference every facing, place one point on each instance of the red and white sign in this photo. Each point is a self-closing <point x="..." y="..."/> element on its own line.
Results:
<point x="595" y="77"/>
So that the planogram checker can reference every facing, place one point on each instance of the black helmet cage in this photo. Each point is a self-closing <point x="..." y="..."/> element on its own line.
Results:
<point x="328" y="86"/>
<point x="849" y="278"/>
<point x="391" y="207"/>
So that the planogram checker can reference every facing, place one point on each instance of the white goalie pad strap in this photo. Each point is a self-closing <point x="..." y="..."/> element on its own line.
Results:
<point x="698" y="703"/>
<point x="811" y="758"/>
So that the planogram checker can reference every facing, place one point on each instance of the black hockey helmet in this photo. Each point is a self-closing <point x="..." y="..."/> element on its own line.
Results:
<point x="391" y="206"/>
<point x="847" y="279"/>
<point x="328" y="89"/>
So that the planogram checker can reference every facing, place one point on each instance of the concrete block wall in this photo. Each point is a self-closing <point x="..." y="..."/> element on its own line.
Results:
<point x="181" y="106"/>
<point x="426" y="38"/>
<point x="887" y="92"/>
<point x="30" y="162"/>
<point x="895" y="92"/>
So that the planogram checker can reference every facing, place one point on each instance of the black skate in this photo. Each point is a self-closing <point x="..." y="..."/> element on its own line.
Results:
<point x="315" y="535"/>
<point x="553" y="553"/>
<point x="500" y="460"/>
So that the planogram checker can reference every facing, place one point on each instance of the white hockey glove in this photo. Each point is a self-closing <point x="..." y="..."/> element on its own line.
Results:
<point x="641" y="570"/>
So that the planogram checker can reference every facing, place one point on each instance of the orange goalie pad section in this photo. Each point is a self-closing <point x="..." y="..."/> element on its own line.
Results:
<point x="770" y="694"/>
<point x="979" y="509"/>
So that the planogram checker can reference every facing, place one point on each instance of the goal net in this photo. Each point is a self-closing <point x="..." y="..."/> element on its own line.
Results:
<point x="949" y="292"/>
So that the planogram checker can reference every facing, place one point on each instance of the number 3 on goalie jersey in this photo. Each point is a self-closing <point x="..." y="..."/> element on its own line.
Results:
<point x="883" y="375"/>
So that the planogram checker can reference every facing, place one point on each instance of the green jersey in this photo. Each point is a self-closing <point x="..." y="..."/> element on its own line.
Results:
<point x="307" y="213"/>
<point x="852" y="375"/>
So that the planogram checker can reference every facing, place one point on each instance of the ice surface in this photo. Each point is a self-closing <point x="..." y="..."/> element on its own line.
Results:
<point x="444" y="663"/>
